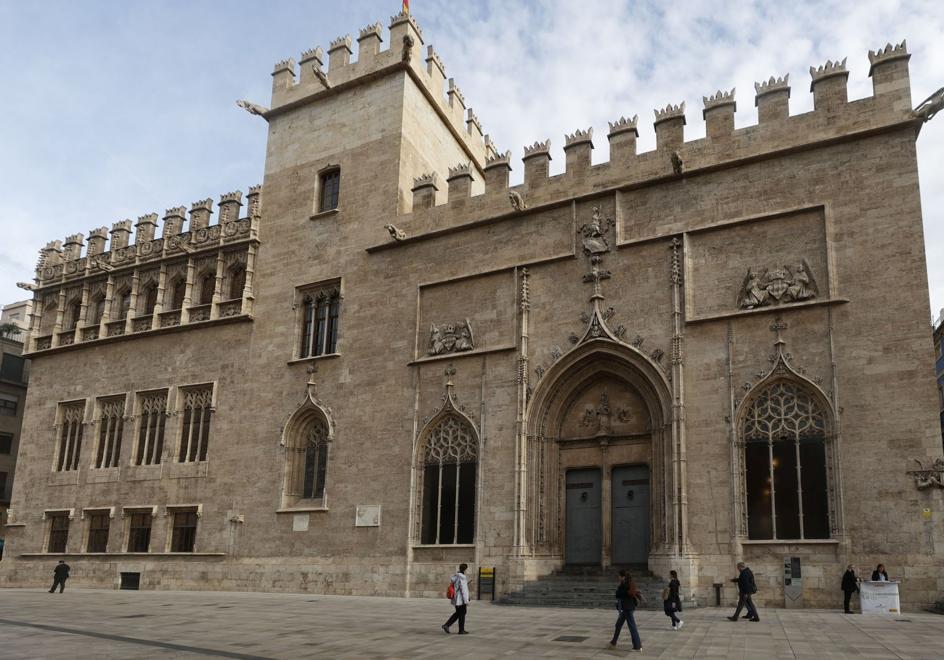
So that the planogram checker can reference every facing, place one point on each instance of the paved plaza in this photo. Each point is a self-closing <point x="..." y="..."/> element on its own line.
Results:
<point x="119" y="624"/>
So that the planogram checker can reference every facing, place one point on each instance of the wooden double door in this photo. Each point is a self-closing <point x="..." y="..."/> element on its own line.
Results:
<point x="626" y="517"/>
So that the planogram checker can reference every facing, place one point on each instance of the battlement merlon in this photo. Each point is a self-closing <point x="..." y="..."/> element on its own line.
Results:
<point x="460" y="182"/>
<point x="670" y="126"/>
<point x="339" y="53"/>
<point x="577" y="148"/>
<point x="72" y="248"/>
<point x="424" y="191"/>
<point x="120" y="234"/>
<point x="368" y="43"/>
<point x="145" y="228"/>
<point x="97" y="239"/>
<point x="497" y="168"/>
<point x="537" y="159"/>
<point x="622" y="137"/>
<point x="719" y="113"/>
<point x="772" y="99"/>
<point x="828" y="84"/>
<point x="888" y="68"/>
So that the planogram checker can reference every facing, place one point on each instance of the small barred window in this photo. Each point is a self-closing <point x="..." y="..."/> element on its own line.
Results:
<point x="58" y="532"/>
<point x="195" y="431"/>
<point x="330" y="188"/>
<point x="98" y="525"/>
<point x="139" y="531"/>
<point x="184" y="531"/>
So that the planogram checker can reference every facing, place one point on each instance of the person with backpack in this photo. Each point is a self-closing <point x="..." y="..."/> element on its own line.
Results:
<point x="627" y="598"/>
<point x="746" y="588"/>
<point x="671" y="601"/>
<point x="458" y="595"/>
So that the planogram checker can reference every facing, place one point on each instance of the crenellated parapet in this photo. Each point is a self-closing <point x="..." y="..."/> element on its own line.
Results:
<point x="313" y="78"/>
<point x="833" y="118"/>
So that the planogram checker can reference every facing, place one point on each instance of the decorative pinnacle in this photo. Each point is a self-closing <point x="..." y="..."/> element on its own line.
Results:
<point x="121" y="225"/>
<point x="670" y="112"/>
<point x="888" y="54"/>
<point x="460" y="170"/>
<point x="454" y="89"/>
<point x="425" y="181"/>
<point x="203" y="204"/>
<point x="316" y="53"/>
<point x="175" y="211"/>
<point x="433" y="56"/>
<point x="235" y="196"/>
<point x="772" y="85"/>
<point x="404" y="17"/>
<point x="284" y="65"/>
<point x="370" y="31"/>
<point x="498" y="159"/>
<point x="579" y="137"/>
<point x="719" y="99"/>
<point x="101" y="232"/>
<point x="341" y="42"/>
<point x="622" y="125"/>
<point x="829" y="69"/>
<point x="538" y="149"/>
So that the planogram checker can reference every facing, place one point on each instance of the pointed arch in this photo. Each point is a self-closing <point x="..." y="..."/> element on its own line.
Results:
<point x="785" y="458"/>
<point x="446" y="459"/>
<point x="591" y="360"/>
<point x="306" y="437"/>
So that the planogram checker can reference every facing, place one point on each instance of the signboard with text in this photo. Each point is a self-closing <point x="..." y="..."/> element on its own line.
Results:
<point x="879" y="597"/>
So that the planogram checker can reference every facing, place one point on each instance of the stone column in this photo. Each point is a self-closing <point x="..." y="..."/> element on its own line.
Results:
<point x="159" y="303"/>
<point x="217" y="287"/>
<point x="133" y="307"/>
<point x="106" y="314"/>
<point x="188" y="293"/>
<point x="83" y="313"/>
<point x="60" y="311"/>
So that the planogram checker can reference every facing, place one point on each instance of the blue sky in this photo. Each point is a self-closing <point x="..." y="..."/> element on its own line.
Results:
<point x="116" y="109"/>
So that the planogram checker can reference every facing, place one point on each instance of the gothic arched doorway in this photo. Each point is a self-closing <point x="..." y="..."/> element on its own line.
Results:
<point x="598" y="455"/>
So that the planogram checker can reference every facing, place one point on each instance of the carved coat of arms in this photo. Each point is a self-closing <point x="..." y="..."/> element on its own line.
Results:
<point x="450" y="338"/>
<point x="777" y="286"/>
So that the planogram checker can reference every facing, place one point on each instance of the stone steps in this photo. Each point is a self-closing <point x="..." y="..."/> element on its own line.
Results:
<point x="584" y="587"/>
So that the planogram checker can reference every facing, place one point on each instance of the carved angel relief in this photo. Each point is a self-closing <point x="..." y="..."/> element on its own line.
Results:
<point x="930" y="476"/>
<point x="777" y="286"/>
<point x="450" y="338"/>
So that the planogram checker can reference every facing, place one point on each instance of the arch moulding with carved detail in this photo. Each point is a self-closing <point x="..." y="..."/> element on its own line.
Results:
<point x="311" y="422"/>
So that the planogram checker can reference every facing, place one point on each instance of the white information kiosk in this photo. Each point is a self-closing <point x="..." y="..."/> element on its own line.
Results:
<point x="879" y="597"/>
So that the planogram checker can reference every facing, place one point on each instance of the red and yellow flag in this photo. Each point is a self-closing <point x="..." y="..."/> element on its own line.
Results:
<point x="406" y="6"/>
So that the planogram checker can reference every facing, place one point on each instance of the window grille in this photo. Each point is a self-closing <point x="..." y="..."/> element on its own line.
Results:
<point x="6" y="443"/>
<point x="196" y="425"/>
<point x="111" y="428"/>
<point x="99" y="524"/>
<point x="11" y="367"/>
<point x="152" y="417"/>
<point x="58" y="532"/>
<point x="139" y="531"/>
<point x="70" y="437"/>
<point x="785" y="458"/>
<point x="184" y="532"/>
<point x="330" y="187"/>
<point x="320" y="317"/>
<point x="449" y="475"/>
<point x="316" y="460"/>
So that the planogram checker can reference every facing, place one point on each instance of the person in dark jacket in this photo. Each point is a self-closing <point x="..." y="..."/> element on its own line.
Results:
<point x="672" y="602"/>
<point x="879" y="574"/>
<point x="60" y="575"/>
<point x="627" y="597"/>
<point x="850" y="585"/>
<point x="746" y="588"/>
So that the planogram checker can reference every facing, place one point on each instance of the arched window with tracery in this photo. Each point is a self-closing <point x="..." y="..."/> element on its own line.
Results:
<point x="237" y="282"/>
<point x="784" y="433"/>
<point x="207" y="287"/>
<point x="307" y="440"/>
<point x="449" y="463"/>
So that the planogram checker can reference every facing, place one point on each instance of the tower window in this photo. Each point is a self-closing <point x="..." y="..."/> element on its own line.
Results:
<point x="330" y="186"/>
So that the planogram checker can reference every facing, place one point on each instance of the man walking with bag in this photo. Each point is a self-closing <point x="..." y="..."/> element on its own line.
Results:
<point x="746" y="588"/>
<point x="458" y="595"/>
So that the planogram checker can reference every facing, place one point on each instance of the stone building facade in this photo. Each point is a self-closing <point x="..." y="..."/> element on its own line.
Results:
<point x="389" y="361"/>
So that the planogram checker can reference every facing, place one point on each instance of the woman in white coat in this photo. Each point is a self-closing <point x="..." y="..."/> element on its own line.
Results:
<point x="459" y="600"/>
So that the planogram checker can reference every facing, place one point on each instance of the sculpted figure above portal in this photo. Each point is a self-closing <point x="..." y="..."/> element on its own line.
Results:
<point x="450" y="338"/>
<point x="777" y="286"/>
